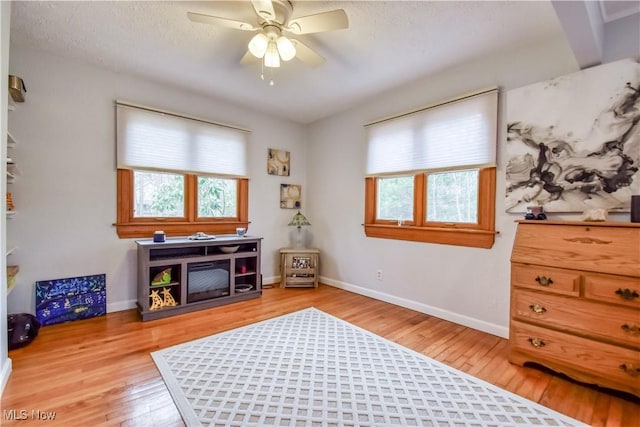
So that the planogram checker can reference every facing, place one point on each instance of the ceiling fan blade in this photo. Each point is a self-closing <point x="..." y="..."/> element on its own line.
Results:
<point x="224" y="22"/>
<point x="325" y="21"/>
<point x="307" y="55"/>
<point x="264" y="9"/>
<point x="248" y="58"/>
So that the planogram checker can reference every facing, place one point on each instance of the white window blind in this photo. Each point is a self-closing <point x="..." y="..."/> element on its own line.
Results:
<point x="153" y="140"/>
<point x="459" y="133"/>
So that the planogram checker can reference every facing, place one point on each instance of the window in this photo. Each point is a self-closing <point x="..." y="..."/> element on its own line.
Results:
<point x="158" y="195"/>
<point x="431" y="173"/>
<point x="453" y="196"/>
<point x="217" y="197"/>
<point x="177" y="174"/>
<point x="395" y="196"/>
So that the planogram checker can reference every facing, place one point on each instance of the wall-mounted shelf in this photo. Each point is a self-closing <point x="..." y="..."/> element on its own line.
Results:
<point x="12" y="272"/>
<point x="11" y="166"/>
<point x="11" y="141"/>
<point x="11" y="171"/>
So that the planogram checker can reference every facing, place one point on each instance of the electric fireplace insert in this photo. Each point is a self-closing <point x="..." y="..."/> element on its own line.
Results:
<point x="206" y="280"/>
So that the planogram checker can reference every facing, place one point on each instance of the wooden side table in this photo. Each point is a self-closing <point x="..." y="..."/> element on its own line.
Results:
<point x="299" y="267"/>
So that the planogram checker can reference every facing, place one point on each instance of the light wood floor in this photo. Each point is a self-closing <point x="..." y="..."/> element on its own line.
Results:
<point x="99" y="372"/>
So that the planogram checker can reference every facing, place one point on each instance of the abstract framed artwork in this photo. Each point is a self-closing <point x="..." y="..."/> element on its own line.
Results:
<point x="278" y="162"/>
<point x="290" y="196"/>
<point x="573" y="143"/>
<point x="73" y="298"/>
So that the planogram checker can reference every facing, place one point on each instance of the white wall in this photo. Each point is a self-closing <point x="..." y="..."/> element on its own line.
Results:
<point x="466" y="285"/>
<point x="621" y="39"/>
<point x="66" y="196"/>
<point x="5" y="362"/>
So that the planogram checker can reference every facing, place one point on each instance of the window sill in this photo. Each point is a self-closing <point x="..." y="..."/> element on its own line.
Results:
<point x="146" y="229"/>
<point x="444" y="236"/>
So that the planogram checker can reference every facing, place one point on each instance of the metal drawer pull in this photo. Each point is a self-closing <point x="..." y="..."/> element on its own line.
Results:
<point x="538" y="343"/>
<point x="628" y="368"/>
<point x="544" y="281"/>
<point x="537" y="308"/>
<point x="627" y="294"/>
<point x="633" y="330"/>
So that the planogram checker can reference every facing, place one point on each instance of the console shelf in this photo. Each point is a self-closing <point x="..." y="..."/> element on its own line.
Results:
<point x="182" y="275"/>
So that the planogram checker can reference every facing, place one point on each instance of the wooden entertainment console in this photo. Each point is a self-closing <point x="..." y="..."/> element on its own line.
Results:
<point x="182" y="275"/>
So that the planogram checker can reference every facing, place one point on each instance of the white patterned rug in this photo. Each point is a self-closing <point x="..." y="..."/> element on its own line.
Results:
<point x="309" y="368"/>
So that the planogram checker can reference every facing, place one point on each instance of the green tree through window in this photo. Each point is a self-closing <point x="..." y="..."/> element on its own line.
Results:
<point x="453" y="196"/>
<point x="217" y="197"/>
<point x="163" y="195"/>
<point x="158" y="194"/>
<point x="395" y="198"/>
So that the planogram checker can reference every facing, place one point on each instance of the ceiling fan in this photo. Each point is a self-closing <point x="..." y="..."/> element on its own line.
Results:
<point x="274" y="19"/>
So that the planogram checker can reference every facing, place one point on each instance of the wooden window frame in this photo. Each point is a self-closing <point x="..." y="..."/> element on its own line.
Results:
<point x="480" y="235"/>
<point x="128" y="226"/>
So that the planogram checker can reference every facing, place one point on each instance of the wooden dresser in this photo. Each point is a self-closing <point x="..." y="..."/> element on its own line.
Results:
<point x="575" y="300"/>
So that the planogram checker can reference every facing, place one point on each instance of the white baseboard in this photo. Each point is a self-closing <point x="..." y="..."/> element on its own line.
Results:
<point x="268" y="281"/>
<point x="4" y="375"/>
<point x="122" y="305"/>
<point x="490" y="328"/>
<point x="458" y="318"/>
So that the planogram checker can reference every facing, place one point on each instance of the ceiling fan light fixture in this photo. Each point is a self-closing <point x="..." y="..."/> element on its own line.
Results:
<point x="268" y="44"/>
<point x="258" y="45"/>
<point x="286" y="49"/>
<point x="271" y="57"/>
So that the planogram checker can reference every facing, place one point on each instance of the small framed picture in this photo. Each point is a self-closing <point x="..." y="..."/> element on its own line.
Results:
<point x="301" y="262"/>
<point x="290" y="195"/>
<point x="278" y="162"/>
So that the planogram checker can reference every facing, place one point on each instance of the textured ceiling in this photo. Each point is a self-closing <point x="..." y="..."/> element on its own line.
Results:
<point x="387" y="43"/>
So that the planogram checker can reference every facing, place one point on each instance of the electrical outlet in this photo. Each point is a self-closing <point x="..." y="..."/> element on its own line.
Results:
<point x="379" y="274"/>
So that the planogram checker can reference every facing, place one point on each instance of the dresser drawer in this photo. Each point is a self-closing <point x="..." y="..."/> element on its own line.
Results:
<point x="549" y="279"/>
<point x="615" y="289"/>
<point x="588" y="361"/>
<point x="605" y="249"/>
<point x="614" y="324"/>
